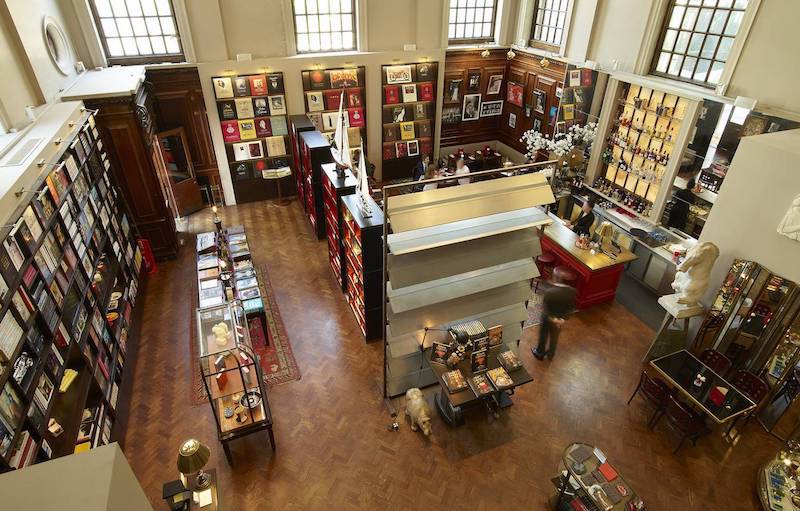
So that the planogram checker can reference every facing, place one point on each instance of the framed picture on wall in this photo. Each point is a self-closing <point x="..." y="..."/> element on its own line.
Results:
<point x="575" y="78"/>
<point x="453" y="91"/>
<point x="491" y="108"/>
<point x="471" y="107"/>
<point x="398" y="74"/>
<point x="539" y="100"/>
<point x="495" y="83"/>
<point x="515" y="93"/>
<point x="528" y="111"/>
<point x="512" y="120"/>
<point x="537" y="124"/>
<point x="425" y="72"/>
<point x="474" y="80"/>
<point x="451" y="115"/>
<point x="277" y="105"/>
<point x="413" y="148"/>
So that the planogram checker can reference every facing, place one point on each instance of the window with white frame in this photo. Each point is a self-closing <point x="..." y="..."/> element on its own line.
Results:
<point x="325" y="25"/>
<point x="697" y="38"/>
<point x="137" y="31"/>
<point x="549" y="26"/>
<point x="471" y="21"/>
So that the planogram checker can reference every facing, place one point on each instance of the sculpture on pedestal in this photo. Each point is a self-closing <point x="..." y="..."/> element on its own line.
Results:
<point x="790" y="225"/>
<point x="691" y="281"/>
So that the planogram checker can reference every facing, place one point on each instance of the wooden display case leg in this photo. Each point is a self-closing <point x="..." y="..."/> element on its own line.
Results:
<point x="451" y="415"/>
<point x="227" y="453"/>
<point x="271" y="438"/>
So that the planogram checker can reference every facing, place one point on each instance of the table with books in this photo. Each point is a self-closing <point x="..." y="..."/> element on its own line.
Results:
<point x="488" y="374"/>
<point x="588" y="482"/>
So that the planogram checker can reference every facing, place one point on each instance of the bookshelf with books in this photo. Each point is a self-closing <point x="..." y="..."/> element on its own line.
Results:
<point x="362" y="242"/>
<point x="324" y="88"/>
<point x="315" y="151"/>
<point x="335" y="188"/>
<point x="408" y="112"/>
<point x="70" y="267"/>
<point x="297" y="125"/>
<point x="254" y="125"/>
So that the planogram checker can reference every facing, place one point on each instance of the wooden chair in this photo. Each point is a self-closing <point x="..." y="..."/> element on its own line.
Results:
<point x="689" y="422"/>
<point x="655" y="391"/>
<point x="718" y="362"/>
<point x="753" y="387"/>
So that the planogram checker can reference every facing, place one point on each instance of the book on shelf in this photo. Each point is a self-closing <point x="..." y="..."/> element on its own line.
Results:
<point x="509" y="360"/>
<point x="279" y="126"/>
<point x="241" y="86"/>
<point x="392" y="94"/>
<point x="439" y="352"/>
<point x="479" y="360"/>
<point x="421" y="112"/>
<point x="230" y="131"/>
<point x="495" y="334"/>
<point x="263" y="127"/>
<point x="11" y="409"/>
<point x="333" y="99"/>
<point x="500" y="378"/>
<point x="407" y="130"/>
<point x="409" y="93"/>
<point x="260" y="107"/>
<point x="354" y="99"/>
<point x="244" y="108"/>
<point x="247" y="129"/>
<point x="67" y="380"/>
<point x="223" y="87"/>
<point x="258" y="85"/>
<point x="454" y="381"/>
<point x="480" y="384"/>
<point x="356" y="117"/>
<point x="276" y="146"/>
<point x="426" y="91"/>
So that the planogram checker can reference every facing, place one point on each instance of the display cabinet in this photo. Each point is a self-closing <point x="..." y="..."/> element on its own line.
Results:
<point x="363" y="255"/>
<point x="253" y="121"/>
<point x="69" y="267"/>
<point x="232" y="375"/>
<point x="315" y="151"/>
<point x="298" y="124"/>
<point x="335" y="188"/>
<point x="408" y="114"/>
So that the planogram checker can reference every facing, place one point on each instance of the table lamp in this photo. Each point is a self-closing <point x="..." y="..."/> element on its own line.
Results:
<point x="192" y="457"/>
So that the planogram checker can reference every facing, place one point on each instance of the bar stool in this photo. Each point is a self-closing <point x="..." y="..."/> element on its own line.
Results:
<point x="545" y="261"/>
<point x="566" y="275"/>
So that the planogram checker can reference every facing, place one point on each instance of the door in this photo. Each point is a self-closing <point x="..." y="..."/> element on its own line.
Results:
<point x="180" y="172"/>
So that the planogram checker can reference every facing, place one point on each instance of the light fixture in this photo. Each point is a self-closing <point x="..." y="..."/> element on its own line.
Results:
<point x="511" y="54"/>
<point x="192" y="457"/>
<point x="486" y="53"/>
<point x="544" y="62"/>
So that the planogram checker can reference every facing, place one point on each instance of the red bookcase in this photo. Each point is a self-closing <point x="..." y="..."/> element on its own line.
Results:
<point x="334" y="188"/>
<point x="315" y="152"/>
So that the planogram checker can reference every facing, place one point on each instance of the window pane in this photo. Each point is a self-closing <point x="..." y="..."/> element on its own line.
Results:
<point x="299" y="7"/>
<point x="689" y="18"/>
<point x="149" y="7"/>
<point x="702" y="70"/>
<point x="143" y="44"/>
<point x="675" y="65"/>
<point x="669" y="39"/>
<point x="129" y="45"/>
<point x="724" y="49"/>
<point x="134" y="9"/>
<point x="118" y="6"/>
<point x="704" y="20"/>
<point x="153" y="26"/>
<point x="158" y="45"/>
<point x="300" y="24"/>
<point x="167" y="26"/>
<point x="109" y="27"/>
<point x="716" y="72"/>
<point x="103" y="8"/>
<point x="734" y="20"/>
<point x="688" y="67"/>
<point x="139" y="27"/>
<point x="682" y="43"/>
<point x="677" y="17"/>
<point x="695" y="44"/>
<point x="663" y="61"/>
<point x="718" y="21"/>
<point x="471" y="20"/>
<point x="114" y="47"/>
<point x="124" y="27"/>
<point x="163" y="7"/>
<point x="710" y="47"/>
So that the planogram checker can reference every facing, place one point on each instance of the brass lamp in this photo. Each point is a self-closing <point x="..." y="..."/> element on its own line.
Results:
<point x="192" y="457"/>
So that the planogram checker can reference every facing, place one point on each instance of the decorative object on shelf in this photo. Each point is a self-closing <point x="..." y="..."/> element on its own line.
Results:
<point x="691" y="281"/>
<point x="418" y="411"/>
<point x="192" y="457"/>
<point x="221" y="334"/>
<point x="790" y="225"/>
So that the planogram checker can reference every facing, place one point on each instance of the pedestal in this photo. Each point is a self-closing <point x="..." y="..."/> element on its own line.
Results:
<point x="669" y="340"/>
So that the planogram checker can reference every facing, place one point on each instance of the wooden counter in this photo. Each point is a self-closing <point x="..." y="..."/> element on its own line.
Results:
<point x="598" y="274"/>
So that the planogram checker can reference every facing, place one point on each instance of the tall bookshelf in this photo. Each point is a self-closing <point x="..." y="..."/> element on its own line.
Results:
<point x="322" y="90"/>
<point x="297" y="125"/>
<point x="70" y="268"/>
<point x="254" y="124"/>
<point x="408" y="112"/>
<point x="315" y="151"/>
<point x="335" y="188"/>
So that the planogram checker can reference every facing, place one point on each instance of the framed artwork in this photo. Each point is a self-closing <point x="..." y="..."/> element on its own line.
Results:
<point x="342" y="78"/>
<point x="453" y="91"/>
<point x="474" y="81"/>
<point x="528" y="111"/>
<point x="401" y="148"/>
<point x="539" y="100"/>
<point x="410" y="93"/>
<point x="275" y="83"/>
<point x="223" y="87"/>
<point x="471" y="110"/>
<point x="491" y="108"/>
<point x="495" y="83"/>
<point x="398" y="74"/>
<point x="537" y="124"/>
<point x="515" y="93"/>
<point x="575" y="78"/>
<point x="248" y="150"/>
<point x="258" y="85"/>
<point x="451" y="115"/>
<point x="354" y="98"/>
<point x="315" y="101"/>
<point x="413" y="148"/>
<point x="277" y="105"/>
<point x="318" y="79"/>
<point x="512" y="120"/>
<point x="425" y="72"/>
<point x="559" y="92"/>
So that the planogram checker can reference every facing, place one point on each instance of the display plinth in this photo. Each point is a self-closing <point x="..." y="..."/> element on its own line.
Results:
<point x="668" y="340"/>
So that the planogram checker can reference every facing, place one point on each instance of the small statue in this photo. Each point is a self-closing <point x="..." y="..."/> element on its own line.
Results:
<point x="691" y="281"/>
<point x="790" y="225"/>
<point x="221" y="333"/>
<point x="418" y="411"/>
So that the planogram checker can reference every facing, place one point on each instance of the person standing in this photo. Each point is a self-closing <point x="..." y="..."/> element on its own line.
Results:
<point x="422" y="167"/>
<point x="462" y="169"/>
<point x="683" y="200"/>
<point x="558" y="302"/>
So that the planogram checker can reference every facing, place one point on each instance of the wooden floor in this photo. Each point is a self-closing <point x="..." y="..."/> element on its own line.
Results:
<point x="334" y="449"/>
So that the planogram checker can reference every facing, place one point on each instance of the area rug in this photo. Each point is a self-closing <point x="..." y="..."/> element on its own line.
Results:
<point x="276" y="357"/>
<point x="536" y="306"/>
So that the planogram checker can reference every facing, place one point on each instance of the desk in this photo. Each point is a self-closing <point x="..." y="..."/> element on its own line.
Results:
<point x="681" y="369"/>
<point x="451" y="406"/>
<point x="598" y="274"/>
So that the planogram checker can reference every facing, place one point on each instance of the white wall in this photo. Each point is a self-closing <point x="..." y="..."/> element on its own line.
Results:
<point x="618" y="34"/>
<point x="759" y="188"/>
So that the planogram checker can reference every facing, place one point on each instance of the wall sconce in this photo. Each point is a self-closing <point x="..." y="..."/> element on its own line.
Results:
<point x="544" y="62"/>
<point x="316" y="66"/>
<point x="425" y="59"/>
<point x="511" y="54"/>
<point x="486" y="53"/>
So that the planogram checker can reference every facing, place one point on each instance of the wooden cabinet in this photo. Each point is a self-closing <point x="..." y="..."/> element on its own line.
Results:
<point x="127" y="127"/>
<point x="315" y="151"/>
<point x="178" y="103"/>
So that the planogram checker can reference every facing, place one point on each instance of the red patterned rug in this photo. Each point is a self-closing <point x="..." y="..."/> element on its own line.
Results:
<point x="276" y="357"/>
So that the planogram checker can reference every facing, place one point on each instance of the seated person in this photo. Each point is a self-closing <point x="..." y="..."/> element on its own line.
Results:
<point x="585" y="220"/>
<point x="462" y="169"/>
<point x="431" y="173"/>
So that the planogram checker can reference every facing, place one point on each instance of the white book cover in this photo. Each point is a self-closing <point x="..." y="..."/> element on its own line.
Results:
<point x="276" y="146"/>
<point x="277" y="105"/>
<point x="409" y="93"/>
<point x="248" y="150"/>
<point x="315" y="101"/>
<point x="244" y="108"/>
<point x="223" y="88"/>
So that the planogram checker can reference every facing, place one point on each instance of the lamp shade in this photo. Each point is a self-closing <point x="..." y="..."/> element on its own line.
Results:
<point x="192" y="456"/>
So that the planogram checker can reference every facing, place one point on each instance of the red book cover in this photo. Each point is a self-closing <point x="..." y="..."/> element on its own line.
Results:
<point x="230" y="131"/>
<point x="258" y="85"/>
<point x="608" y="471"/>
<point x="426" y="91"/>
<point x="59" y="339"/>
<point x="586" y="77"/>
<point x="354" y="98"/>
<point x="356" y="117"/>
<point x="402" y="149"/>
<point x="263" y="127"/>
<point x="392" y="94"/>
<point x="222" y="379"/>
<point x="332" y="98"/>
<point x="388" y="152"/>
<point x="426" y="146"/>
<point x="258" y="167"/>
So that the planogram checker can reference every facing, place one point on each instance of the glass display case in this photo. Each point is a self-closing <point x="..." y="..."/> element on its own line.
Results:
<point x="232" y="375"/>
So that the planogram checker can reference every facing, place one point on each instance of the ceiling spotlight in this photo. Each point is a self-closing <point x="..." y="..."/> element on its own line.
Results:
<point x="486" y="53"/>
<point x="511" y="54"/>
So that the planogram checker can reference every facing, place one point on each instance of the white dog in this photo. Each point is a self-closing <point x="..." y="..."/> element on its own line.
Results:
<point x="418" y="411"/>
<point x="691" y="281"/>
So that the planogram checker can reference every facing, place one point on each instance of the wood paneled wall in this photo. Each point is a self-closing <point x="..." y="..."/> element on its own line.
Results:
<point x="526" y="70"/>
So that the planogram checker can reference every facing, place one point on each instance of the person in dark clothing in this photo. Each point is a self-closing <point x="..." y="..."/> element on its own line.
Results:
<point x="420" y="170"/>
<point x="558" y="302"/>
<point x="679" y="214"/>
<point x="585" y="220"/>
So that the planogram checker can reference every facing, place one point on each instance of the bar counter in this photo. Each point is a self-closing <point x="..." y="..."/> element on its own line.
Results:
<point x="598" y="274"/>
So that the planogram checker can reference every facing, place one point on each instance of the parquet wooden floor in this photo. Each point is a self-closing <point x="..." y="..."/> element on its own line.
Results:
<point x="334" y="449"/>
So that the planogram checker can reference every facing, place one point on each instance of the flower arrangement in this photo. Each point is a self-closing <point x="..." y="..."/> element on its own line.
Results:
<point x="562" y="143"/>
